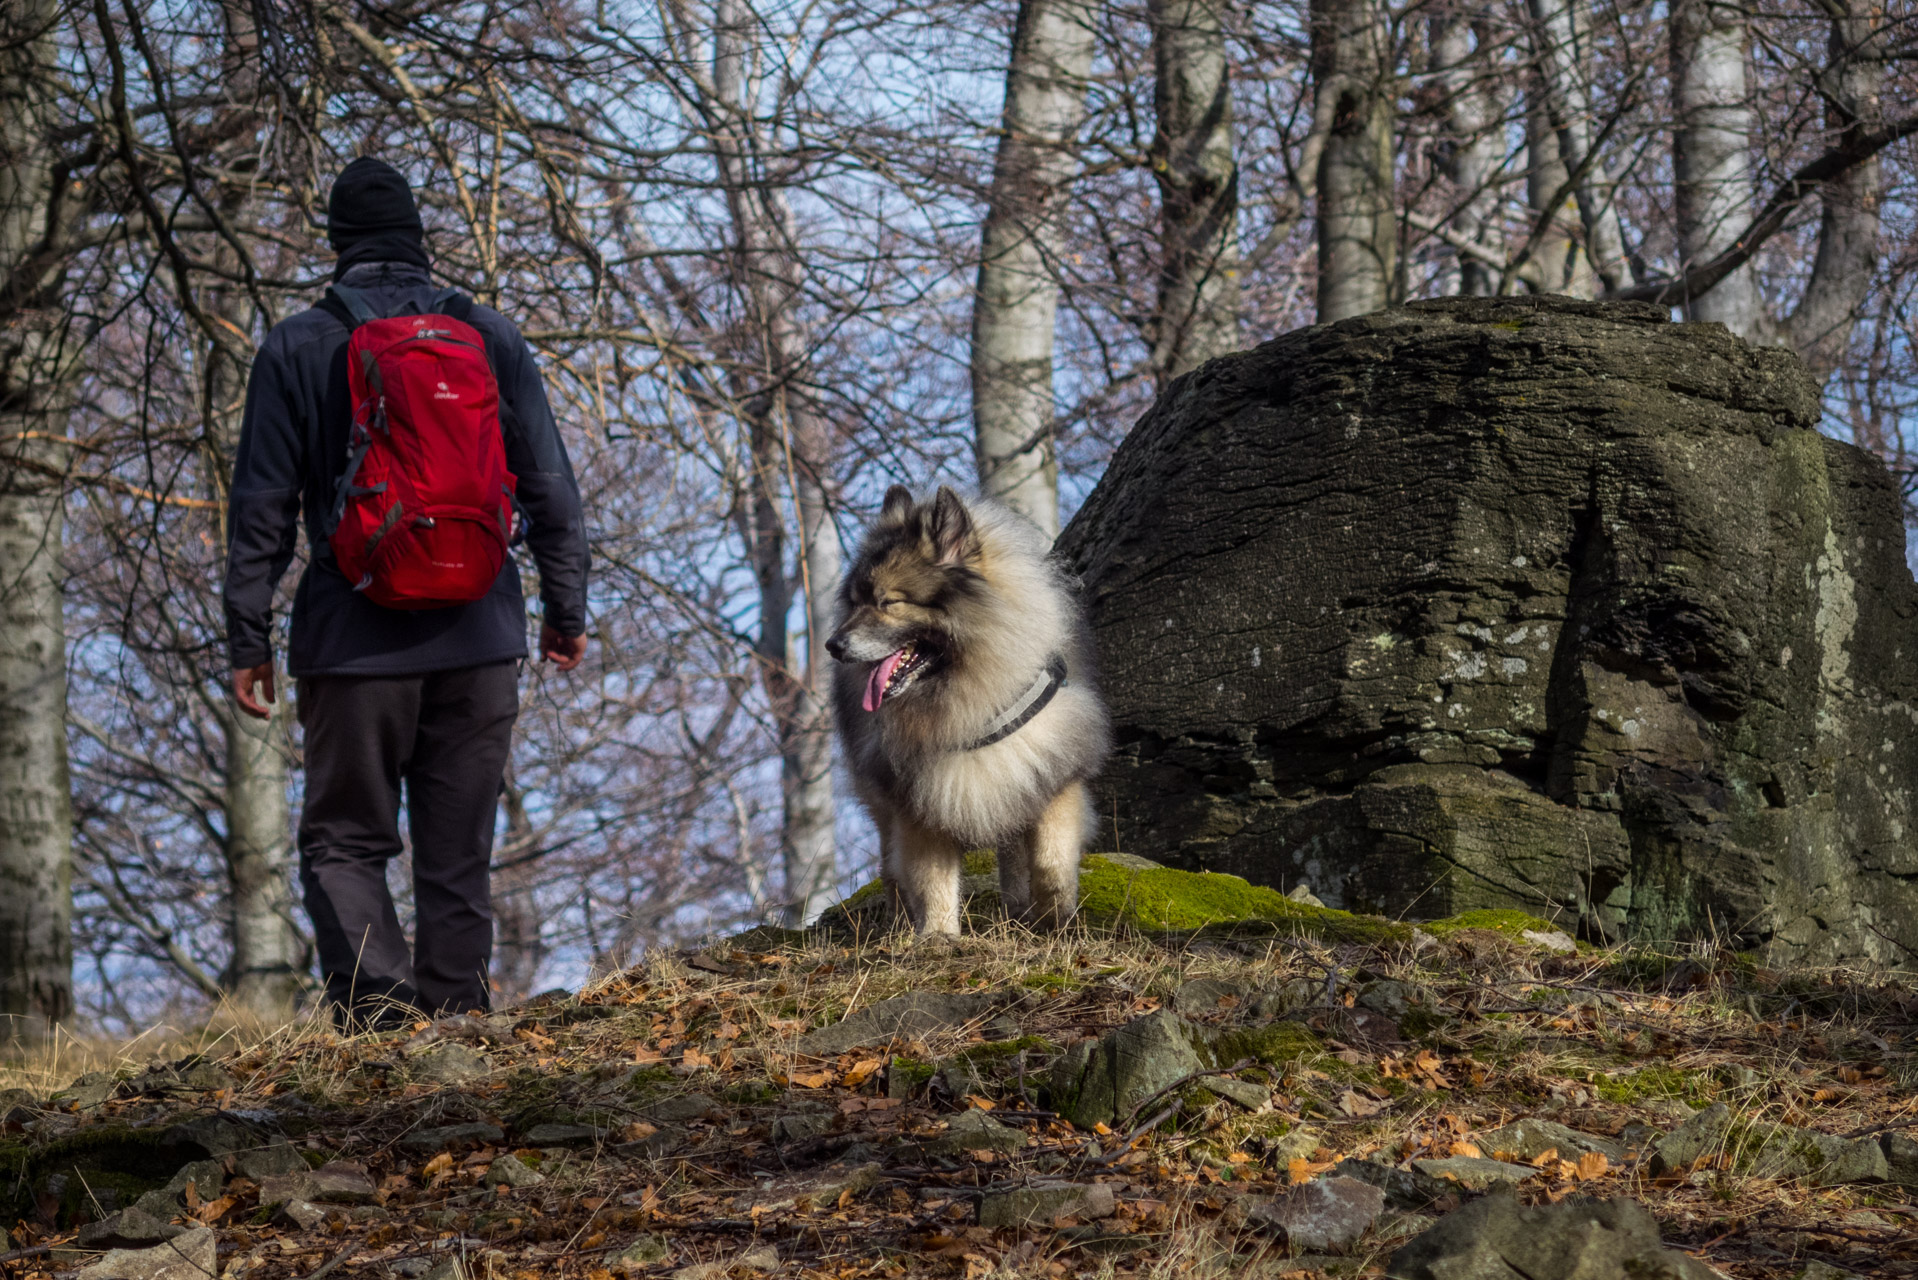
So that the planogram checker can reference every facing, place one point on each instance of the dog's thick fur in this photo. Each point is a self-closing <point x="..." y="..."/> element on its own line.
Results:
<point x="966" y="586"/>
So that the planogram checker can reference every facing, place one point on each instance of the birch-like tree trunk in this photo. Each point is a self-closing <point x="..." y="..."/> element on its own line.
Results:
<point x="1559" y="250"/>
<point x="1472" y="118"/>
<point x="37" y="364"/>
<point x="791" y="448"/>
<point x="519" y="942"/>
<point x="1017" y="300"/>
<point x="1711" y="158"/>
<point x="1560" y="47"/>
<point x="1193" y="161"/>
<point x="269" y="970"/>
<point x="1357" y="205"/>
<point x="1820" y="327"/>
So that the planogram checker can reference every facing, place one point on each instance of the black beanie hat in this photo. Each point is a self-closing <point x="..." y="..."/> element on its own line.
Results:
<point x="371" y="217"/>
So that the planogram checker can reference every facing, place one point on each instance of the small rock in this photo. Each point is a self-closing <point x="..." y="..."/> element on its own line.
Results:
<point x="1404" y="1188"/>
<point x="510" y="1171"/>
<point x="277" y="1160"/>
<point x="762" y="1258"/>
<point x="562" y="1135"/>
<point x="1209" y="995"/>
<point x="1000" y="1028"/>
<point x="1554" y="940"/>
<point x="410" y="1267"/>
<point x="1529" y="1139"/>
<point x="447" y="1269"/>
<point x="1699" y="1136"/>
<point x="1040" y="1205"/>
<point x="703" y="1271"/>
<point x="218" y="1133"/>
<point x="89" y="1091"/>
<point x="1395" y="999"/>
<point x="641" y="1253"/>
<point x="818" y="1189"/>
<point x="131" y="1228"/>
<point x="961" y="1078"/>
<point x="916" y="1014"/>
<point x="1247" y="1094"/>
<point x="800" y="1126"/>
<point x="191" y="1255"/>
<point x="658" y="1143"/>
<point x="1475" y="1174"/>
<point x="303" y="1214"/>
<point x="1102" y="1081"/>
<point x="1328" y="1214"/>
<point x="18" y="1100"/>
<point x="336" y="1183"/>
<point x="204" y="1077"/>
<point x="1816" y="1270"/>
<point x="678" y="1109"/>
<point x="1901" y="1159"/>
<point x="206" y="1177"/>
<point x="1496" y="1236"/>
<point x="974" y="1131"/>
<point x="429" y="1141"/>
<point x="1298" y="1144"/>
<point x="1302" y="894"/>
<point x="450" y="1063"/>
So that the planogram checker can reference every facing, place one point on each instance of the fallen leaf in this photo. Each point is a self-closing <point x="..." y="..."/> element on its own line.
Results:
<point x="1305" y="1170"/>
<point x="1467" y="1149"/>
<point x="638" y="1130"/>
<point x="212" y="1211"/>
<point x="1544" y="1159"/>
<point x="812" y="1079"/>
<point x="437" y="1165"/>
<point x="1353" y="1103"/>
<point x="979" y="1103"/>
<point x="859" y="1072"/>
<point x="1593" y="1164"/>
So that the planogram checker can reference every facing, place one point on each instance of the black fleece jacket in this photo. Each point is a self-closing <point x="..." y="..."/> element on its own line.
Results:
<point x="292" y="450"/>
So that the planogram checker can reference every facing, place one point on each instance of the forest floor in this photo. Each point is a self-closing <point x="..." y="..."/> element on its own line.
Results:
<point x="670" y="1121"/>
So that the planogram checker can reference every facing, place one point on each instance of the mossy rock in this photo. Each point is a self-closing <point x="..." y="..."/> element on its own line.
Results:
<point x="127" y="1160"/>
<point x="1513" y="924"/>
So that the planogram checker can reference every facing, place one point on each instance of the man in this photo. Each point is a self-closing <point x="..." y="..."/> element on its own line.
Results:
<point x="391" y="698"/>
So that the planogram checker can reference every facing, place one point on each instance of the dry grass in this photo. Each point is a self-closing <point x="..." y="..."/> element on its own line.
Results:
<point x="1603" y="1041"/>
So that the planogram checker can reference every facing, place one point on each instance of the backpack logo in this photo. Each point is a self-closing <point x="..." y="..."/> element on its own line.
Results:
<point x="444" y="394"/>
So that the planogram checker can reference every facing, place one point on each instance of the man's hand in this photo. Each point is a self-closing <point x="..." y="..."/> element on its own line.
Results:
<point x="564" y="652"/>
<point x="243" y="682"/>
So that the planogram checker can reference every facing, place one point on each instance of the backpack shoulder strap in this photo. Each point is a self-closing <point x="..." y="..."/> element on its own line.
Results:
<point x="348" y="306"/>
<point x="452" y="304"/>
<point x="455" y="305"/>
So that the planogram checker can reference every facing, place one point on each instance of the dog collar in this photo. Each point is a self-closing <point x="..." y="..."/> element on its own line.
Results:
<point x="1030" y="704"/>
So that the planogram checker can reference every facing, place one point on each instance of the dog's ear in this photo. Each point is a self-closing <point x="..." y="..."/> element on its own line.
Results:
<point x="950" y="528"/>
<point x="897" y="506"/>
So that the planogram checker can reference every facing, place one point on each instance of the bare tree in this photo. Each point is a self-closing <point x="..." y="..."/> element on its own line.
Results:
<point x="1016" y="304"/>
<point x="1353" y="78"/>
<point x="1197" y="316"/>
<point x="40" y="343"/>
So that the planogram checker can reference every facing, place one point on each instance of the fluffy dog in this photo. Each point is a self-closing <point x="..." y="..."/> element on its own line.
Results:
<point x="965" y="701"/>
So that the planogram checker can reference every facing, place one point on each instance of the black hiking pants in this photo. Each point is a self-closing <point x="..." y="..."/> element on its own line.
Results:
<point x="444" y="736"/>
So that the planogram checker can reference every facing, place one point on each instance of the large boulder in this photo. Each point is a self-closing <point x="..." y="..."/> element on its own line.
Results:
<point x="1526" y="603"/>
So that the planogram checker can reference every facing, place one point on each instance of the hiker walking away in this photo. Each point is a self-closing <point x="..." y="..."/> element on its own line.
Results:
<point x="404" y="425"/>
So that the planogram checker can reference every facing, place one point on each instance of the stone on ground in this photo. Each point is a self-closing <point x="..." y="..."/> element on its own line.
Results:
<point x="191" y="1255"/>
<point x="1496" y="1238"/>
<point x="916" y="1014"/>
<point x="1475" y="1173"/>
<point x="818" y="1189"/>
<point x="1702" y="1135"/>
<point x="338" y="1182"/>
<point x="1450" y="663"/>
<point x="265" y="1162"/>
<point x="450" y="1063"/>
<point x="1324" y="1215"/>
<point x="642" y="1253"/>
<point x="1103" y="1081"/>
<point x="974" y="1131"/>
<point x="510" y="1171"/>
<point x="429" y="1141"/>
<point x="1042" y="1204"/>
<point x="1529" y="1139"/>
<point x="131" y="1228"/>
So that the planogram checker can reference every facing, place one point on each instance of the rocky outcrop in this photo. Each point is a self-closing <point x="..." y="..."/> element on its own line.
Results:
<point x="1523" y="603"/>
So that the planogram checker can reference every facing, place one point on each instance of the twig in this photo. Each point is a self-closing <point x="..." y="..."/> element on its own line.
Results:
<point x="326" y="1268"/>
<point x="33" y="1252"/>
<point x="1126" y="1143"/>
<point x="1187" y="1079"/>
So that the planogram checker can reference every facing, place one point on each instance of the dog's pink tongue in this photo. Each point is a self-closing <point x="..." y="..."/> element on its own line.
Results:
<point x="881" y="672"/>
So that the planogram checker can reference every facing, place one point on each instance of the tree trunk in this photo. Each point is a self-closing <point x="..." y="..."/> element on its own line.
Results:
<point x="1711" y="158"/>
<point x="519" y="944"/>
<point x="1563" y="266"/>
<point x="791" y="448"/>
<point x="1821" y="326"/>
<point x="1017" y="299"/>
<point x="37" y="358"/>
<point x="1357" y="206"/>
<point x="269" y="968"/>
<point x="1192" y="158"/>
<point x="1559" y="45"/>
<point x="1473" y="120"/>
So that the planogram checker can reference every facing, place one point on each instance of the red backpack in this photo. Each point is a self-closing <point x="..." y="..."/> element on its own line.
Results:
<point x="423" y="513"/>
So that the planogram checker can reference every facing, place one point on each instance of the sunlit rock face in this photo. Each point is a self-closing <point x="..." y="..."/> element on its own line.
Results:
<point x="1516" y="602"/>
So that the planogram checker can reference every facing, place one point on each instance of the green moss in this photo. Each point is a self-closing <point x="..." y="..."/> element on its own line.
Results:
<point x="913" y="1072"/>
<point x="1510" y="923"/>
<point x="981" y="862"/>
<point x="1657" y="1081"/>
<point x="1275" y="1044"/>
<point x="1002" y="1049"/>
<point x="1050" y="982"/>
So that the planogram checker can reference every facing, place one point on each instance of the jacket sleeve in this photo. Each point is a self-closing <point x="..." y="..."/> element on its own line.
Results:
<point x="548" y="493"/>
<point x="263" y="510"/>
